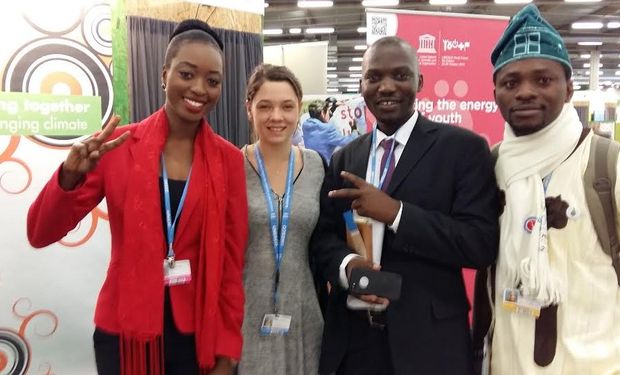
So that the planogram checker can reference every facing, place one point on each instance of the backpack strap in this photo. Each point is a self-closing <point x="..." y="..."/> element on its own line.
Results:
<point x="599" y="183"/>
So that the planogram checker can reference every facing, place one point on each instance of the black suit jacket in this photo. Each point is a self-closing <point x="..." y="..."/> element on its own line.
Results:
<point x="446" y="182"/>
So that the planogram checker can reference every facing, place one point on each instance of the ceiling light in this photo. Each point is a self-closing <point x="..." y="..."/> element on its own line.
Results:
<point x="585" y="56"/>
<point x="332" y="75"/>
<point x="355" y="85"/>
<point x="617" y="72"/>
<point x="447" y="2"/>
<point x="360" y="47"/>
<point x="272" y="31"/>
<point x="353" y="89"/>
<point x="320" y="30"/>
<point x="379" y="3"/>
<point x="587" y="65"/>
<point x="332" y="90"/>
<point x="355" y="75"/>
<point x="349" y="80"/>
<point x="512" y="1"/>
<point x="266" y="5"/>
<point x="331" y="68"/>
<point x="590" y="43"/>
<point x="587" y="25"/>
<point x="315" y="4"/>
<point x="576" y="87"/>
<point x="358" y="59"/>
<point x="613" y="25"/>
<point x="355" y="68"/>
<point x="295" y="30"/>
<point x="582" y="1"/>
<point x="363" y="29"/>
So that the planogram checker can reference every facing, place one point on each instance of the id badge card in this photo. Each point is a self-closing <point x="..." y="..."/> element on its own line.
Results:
<point x="177" y="272"/>
<point x="514" y="301"/>
<point x="275" y="324"/>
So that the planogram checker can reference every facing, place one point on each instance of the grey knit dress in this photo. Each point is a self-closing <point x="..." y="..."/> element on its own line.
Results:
<point x="298" y="352"/>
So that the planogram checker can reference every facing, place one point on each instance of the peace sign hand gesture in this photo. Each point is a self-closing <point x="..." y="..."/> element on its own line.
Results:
<point x="85" y="155"/>
<point x="368" y="200"/>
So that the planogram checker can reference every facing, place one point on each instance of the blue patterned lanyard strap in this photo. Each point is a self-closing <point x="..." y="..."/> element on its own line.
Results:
<point x="171" y="224"/>
<point x="278" y="232"/>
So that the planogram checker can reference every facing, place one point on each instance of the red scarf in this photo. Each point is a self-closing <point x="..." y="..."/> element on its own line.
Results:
<point x="141" y="296"/>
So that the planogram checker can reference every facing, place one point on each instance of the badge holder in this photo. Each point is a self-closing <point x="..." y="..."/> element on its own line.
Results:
<point x="514" y="301"/>
<point x="177" y="272"/>
<point x="275" y="325"/>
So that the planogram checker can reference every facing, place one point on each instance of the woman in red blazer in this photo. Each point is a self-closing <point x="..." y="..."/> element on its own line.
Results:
<point x="173" y="299"/>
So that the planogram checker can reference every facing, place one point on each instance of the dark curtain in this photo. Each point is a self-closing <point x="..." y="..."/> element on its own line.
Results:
<point x="148" y="39"/>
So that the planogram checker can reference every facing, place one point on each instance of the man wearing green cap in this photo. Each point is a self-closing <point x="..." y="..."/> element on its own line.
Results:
<point x="556" y="295"/>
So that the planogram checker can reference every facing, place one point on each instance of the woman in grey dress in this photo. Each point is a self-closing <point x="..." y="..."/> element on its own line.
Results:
<point x="283" y="324"/>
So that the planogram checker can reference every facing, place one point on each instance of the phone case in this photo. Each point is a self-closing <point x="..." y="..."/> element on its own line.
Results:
<point x="379" y="283"/>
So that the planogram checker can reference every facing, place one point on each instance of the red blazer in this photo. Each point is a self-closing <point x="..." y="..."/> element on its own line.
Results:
<point x="55" y="212"/>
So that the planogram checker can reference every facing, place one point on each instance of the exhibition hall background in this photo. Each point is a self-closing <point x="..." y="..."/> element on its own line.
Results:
<point x="112" y="50"/>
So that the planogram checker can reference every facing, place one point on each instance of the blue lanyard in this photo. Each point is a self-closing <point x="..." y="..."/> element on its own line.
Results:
<point x="170" y="224"/>
<point x="278" y="235"/>
<point x="373" y="160"/>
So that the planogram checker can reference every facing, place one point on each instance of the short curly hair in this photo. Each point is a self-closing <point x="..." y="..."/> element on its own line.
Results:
<point x="316" y="108"/>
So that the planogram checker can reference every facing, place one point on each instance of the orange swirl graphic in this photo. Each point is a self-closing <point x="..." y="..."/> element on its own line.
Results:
<point x="6" y="156"/>
<point x="10" y="149"/>
<point x="28" y="317"/>
<point x="96" y="214"/>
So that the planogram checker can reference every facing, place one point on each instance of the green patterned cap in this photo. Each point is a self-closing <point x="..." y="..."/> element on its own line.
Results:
<point x="529" y="36"/>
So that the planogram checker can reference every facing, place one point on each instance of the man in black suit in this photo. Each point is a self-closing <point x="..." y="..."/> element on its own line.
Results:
<point x="436" y="214"/>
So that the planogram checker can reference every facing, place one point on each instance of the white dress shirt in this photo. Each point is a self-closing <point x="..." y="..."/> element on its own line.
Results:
<point x="378" y="229"/>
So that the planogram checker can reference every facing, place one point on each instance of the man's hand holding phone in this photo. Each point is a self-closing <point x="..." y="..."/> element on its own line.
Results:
<point x="359" y="267"/>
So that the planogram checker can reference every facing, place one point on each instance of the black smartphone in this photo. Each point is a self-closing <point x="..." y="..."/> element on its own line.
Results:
<point x="379" y="283"/>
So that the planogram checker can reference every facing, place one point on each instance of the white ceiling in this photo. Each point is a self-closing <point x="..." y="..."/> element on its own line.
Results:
<point x="347" y="15"/>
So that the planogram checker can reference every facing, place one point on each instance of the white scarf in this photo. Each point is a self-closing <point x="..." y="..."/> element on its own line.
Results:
<point x="522" y="164"/>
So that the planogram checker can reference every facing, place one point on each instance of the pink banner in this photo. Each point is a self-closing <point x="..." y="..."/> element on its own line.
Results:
<point x="453" y="52"/>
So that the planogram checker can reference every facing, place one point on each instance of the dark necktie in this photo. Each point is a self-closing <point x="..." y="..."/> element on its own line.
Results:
<point x="387" y="147"/>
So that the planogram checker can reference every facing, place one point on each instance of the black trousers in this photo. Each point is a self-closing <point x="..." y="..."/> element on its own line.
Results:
<point x="179" y="348"/>
<point x="369" y="348"/>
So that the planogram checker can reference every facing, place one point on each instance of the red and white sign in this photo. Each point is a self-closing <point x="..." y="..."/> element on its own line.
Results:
<point x="454" y="55"/>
